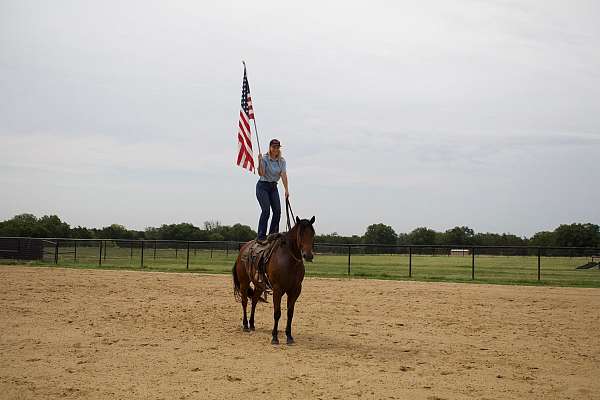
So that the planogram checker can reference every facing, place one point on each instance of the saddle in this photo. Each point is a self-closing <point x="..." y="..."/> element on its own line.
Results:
<point x="257" y="257"/>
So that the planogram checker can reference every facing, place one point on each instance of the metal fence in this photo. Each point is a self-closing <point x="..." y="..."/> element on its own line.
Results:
<point x="469" y="251"/>
<point x="55" y="249"/>
<point x="347" y="259"/>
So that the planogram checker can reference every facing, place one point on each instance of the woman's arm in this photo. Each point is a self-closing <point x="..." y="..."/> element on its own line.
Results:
<point x="285" y="183"/>
<point x="261" y="166"/>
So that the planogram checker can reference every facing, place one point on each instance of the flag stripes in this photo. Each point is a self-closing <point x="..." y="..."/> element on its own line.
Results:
<point x="245" y="158"/>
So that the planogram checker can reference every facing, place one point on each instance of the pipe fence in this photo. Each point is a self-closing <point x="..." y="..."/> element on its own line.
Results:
<point x="439" y="262"/>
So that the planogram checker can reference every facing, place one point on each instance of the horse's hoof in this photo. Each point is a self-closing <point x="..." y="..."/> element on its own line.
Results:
<point x="246" y="329"/>
<point x="252" y="328"/>
<point x="274" y="341"/>
<point x="290" y="340"/>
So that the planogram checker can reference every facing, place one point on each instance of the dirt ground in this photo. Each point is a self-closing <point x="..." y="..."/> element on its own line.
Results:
<point x="93" y="334"/>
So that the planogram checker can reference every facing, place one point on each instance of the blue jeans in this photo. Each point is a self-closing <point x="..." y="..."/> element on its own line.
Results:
<point x="268" y="198"/>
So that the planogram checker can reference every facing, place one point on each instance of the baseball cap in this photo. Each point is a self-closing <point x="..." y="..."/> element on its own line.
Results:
<point x="274" y="142"/>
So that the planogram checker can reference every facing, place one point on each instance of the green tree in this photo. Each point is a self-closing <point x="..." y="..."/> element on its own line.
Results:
<point x="494" y="239"/>
<point x="215" y="236"/>
<point x="422" y="236"/>
<point x="240" y="233"/>
<point x="380" y="234"/>
<point x="181" y="231"/>
<point x="20" y="225"/>
<point x="211" y="225"/>
<point x="459" y="235"/>
<point x="81" y="232"/>
<point x="151" y="233"/>
<point x="52" y="226"/>
<point x="30" y="225"/>
<point x="335" y="238"/>
<point x="115" y="231"/>
<point x="577" y="235"/>
<point x="543" y="238"/>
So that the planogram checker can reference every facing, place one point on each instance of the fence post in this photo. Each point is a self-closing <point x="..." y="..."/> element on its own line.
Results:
<point x="211" y="250"/>
<point x="539" y="263"/>
<point x="142" y="255"/>
<point x="473" y="263"/>
<point x="130" y="250"/>
<point x="75" y="255"/>
<point x="176" y="250"/>
<point x="100" y="255"/>
<point x="105" y="250"/>
<point x="226" y="249"/>
<point x="409" y="261"/>
<point x="349" y="252"/>
<point x="155" y="249"/>
<point x="187" y="262"/>
<point x="56" y="251"/>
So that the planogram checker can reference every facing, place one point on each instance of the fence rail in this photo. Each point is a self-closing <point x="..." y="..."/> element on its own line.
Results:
<point x="177" y="253"/>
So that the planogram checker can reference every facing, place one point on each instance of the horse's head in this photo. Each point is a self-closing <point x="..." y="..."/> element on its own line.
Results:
<point x="305" y="237"/>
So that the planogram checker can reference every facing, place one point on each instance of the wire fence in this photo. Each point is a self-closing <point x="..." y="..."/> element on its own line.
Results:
<point x="578" y="266"/>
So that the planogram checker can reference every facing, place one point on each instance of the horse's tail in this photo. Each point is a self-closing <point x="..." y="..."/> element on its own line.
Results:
<point x="237" y="294"/>
<point x="236" y="283"/>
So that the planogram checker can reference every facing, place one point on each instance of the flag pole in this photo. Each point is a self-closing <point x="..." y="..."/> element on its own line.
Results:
<point x="255" y="131"/>
<point x="253" y="119"/>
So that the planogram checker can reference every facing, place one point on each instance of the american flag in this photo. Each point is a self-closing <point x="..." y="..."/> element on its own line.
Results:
<point x="245" y="158"/>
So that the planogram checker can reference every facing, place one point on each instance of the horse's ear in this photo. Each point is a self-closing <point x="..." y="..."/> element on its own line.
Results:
<point x="297" y="220"/>
<point x="312" y="220"/>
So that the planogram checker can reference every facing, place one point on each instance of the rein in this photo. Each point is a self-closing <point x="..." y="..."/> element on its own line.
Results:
<point x="288" y="211"/>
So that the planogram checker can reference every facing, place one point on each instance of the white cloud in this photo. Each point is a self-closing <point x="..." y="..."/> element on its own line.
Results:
<point x="382" y="107"/>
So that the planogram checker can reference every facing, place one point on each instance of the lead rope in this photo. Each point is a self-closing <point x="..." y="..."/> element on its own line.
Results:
<point x="288" y="211"/>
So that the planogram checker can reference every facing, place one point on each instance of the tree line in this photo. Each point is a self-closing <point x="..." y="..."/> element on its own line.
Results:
<point x="51" y="226"/>
<point x="567" y="235"/>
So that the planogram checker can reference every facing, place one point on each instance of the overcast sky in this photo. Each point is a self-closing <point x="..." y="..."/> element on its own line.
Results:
<point x="424" y="113"/>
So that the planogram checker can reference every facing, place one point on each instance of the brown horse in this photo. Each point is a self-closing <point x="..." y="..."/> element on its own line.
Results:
<point x="285" y="270"/>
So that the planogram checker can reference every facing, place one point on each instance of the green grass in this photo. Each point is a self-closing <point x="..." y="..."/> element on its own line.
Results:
<point x="520" y="270"/>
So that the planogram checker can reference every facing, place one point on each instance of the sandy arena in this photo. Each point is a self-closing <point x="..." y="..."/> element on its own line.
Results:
<point x="93" y="334"/>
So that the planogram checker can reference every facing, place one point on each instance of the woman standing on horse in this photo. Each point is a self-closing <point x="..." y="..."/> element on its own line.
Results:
<point x="271" y="167"/>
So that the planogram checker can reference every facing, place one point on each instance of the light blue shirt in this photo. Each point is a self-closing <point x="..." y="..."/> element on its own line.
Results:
<point x="273" y="168"/>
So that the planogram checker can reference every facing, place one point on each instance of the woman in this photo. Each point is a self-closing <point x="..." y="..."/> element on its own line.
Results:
<point x="271" y="167"/>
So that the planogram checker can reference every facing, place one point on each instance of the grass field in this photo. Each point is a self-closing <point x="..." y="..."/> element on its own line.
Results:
<point x="557" y="271"/>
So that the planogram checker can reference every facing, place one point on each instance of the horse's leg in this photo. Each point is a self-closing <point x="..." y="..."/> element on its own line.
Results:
<point x="244" y="305"/>
<point x="291" y="302"/>
<point x="244" y="285"/>
<point x="255" y="298"/>
<point x="277" y="294"/>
